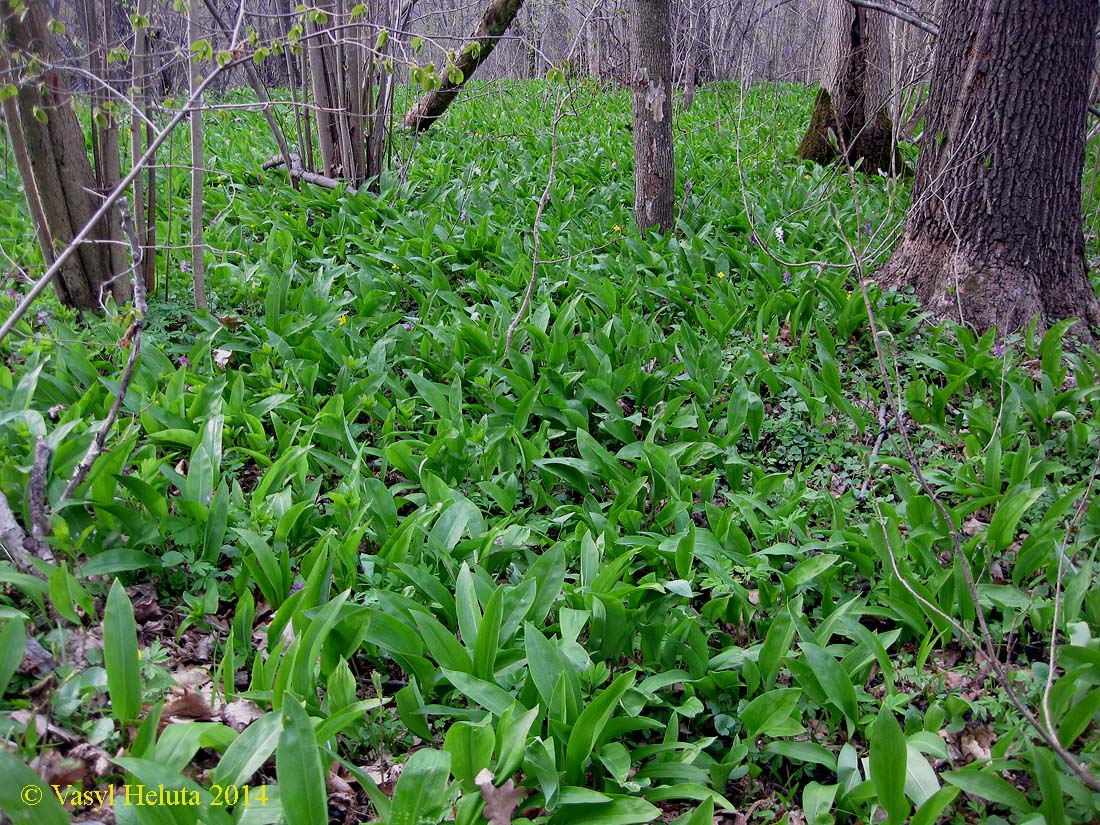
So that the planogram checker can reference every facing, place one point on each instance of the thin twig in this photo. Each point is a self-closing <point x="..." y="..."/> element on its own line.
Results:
<point x="983" y="645"/>
<point x="131" y="339"/>
<point x="512" y="327"/>
<point x="883" y="427"/>
<point x="110" y="200"/>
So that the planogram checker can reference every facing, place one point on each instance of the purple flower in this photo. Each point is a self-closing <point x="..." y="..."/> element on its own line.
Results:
<point x="866" y="228"/>
<point x="185" y="266"/>
<point x="294" y="588"/>
<point x="999" y="350"/>
<point x="755" y="241"/>
<point x="11" y="293"/>
<point x="786" y="276"/>
<point x="41" y="318"/>
<point x="184" y="361"/>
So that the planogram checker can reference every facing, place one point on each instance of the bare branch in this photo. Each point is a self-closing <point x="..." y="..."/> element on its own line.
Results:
<point x="110" y="200"/>
<point x="132" y="340"/>
<point x="894" y="11"/>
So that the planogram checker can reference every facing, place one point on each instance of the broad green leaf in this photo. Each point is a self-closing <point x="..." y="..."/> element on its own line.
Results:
<point x="421" y="793"/>
<point x="298" y="768"/>
<point x="811" y="568"/>
<point x="888" y="760"/>
<point x="834" y="680"/>
<point x="777" y="644"/>
<point x="488" y="636"/>
<point x="617" y="810"/>
<point x="120" y="655"/>
<point x="767" y="714"/>
<point x="1046" y="772"/>
<point x="929" y="813"/>
<point x="24" y="797"/>
<point x="590" y="724"/>
<point x="249" y="751"/>
<point x="467" y="607"/>
<point x="489" y="696"/>
<point x="987" y="785"/>
<point x="921" y="783"/>
<point x="511" y="739"/>
<point x="471" y="749"/>
<point x="13" y="641"/>
<point x="702" y="815"/>
<point x="817" y="802"/>
<point x="1002" y="528"/>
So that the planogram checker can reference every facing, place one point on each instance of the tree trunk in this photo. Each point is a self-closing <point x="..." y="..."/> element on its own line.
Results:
<point x="654" y="173"/>
<point x="479" y="45"/>
<point x="62" y="173"/>
<point x="198" y="249"/>
<point x="850" y="117"/>
<point x="994" y="235"/>
<point x="691" y="50"/>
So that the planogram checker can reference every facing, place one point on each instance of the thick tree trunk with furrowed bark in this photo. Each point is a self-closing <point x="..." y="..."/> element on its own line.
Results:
<point x="994" y="235"/>
<point x="654" y="170"/>
<point x="62" y="175"/>
<point x="479" y="45"/>
<point x="850" y="117"/>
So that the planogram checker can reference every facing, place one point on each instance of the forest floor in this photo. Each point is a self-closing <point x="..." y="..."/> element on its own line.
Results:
<point x="667" y="558"/>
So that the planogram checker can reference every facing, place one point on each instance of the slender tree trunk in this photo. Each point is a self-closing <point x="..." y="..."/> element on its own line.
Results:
<point x="479" y="45"/>
<point x="261" y="93"/>
<point x="198" y="250"/>
<point x="850" y="116"/>
<point x="140" y="91"/>
<point x="322" y="98"/>
<point x="654" y="172"/>
<point x="994" y="234"/>
<point x="691" y="49"/>
<point x="62" y="174"/>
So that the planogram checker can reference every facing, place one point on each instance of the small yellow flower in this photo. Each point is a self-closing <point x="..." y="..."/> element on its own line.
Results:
<point x="343" y="319"/>
<point x="393" y="266"/>
<point x="721" y="274"/>
<point x="617" y="228"/>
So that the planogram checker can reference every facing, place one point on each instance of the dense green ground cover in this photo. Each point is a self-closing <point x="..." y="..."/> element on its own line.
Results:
<point x="626" y="564"/>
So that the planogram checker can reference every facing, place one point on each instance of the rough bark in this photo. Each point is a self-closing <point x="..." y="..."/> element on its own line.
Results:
<point x="994" y="235"/>
<point x="323" y="94"/>
<point x="26" y="172"/>
<point x="494" y="22"/>
<point x="654" y="171"/>
<point x="62" y="174"/>
<point x="850" y="117"/>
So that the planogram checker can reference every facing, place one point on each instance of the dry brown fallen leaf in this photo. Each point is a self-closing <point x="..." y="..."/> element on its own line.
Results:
<point x="500" y="803"/>
<point x="188" y="706"/>
<point x="240" y="713"/>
